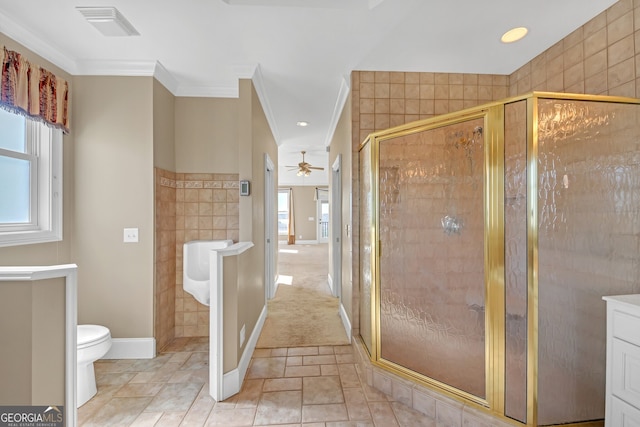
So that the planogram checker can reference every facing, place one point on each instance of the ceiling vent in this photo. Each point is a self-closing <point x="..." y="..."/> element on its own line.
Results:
<point x="109" y="21"/>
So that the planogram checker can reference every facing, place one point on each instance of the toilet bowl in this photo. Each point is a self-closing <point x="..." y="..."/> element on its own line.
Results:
<point x="93" y="342"/>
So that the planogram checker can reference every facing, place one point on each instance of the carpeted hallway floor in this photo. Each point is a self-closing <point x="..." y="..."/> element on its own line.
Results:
<point x="303" y="311"/>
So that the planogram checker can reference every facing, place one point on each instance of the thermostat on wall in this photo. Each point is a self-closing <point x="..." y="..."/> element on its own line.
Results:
<point x="245" y="188"/>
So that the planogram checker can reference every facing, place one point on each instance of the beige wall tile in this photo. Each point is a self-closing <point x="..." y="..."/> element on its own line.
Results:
<point x="595" y="63"/>
<point x="621" y="50"/>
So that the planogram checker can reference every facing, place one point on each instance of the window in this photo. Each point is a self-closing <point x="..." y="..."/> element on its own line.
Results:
<point x="283" y="212"/>
<point x="30" y="181"/>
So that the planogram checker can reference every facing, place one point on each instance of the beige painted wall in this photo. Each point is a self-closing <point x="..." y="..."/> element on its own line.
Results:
<point x="341" y="145"/>
<point x="164" y="147"/>
<point x="55" y="252"/>
<point x="206" y="131"/>
<point x="255" y="140"/>
<point x="114" y="190"/>
<point x="32" y="328"/>
<point x="304" y="207"/>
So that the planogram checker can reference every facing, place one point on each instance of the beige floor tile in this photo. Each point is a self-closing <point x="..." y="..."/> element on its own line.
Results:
<point x="190" y="376"/>
<point x="343" y="349"/>
<point x="325" y="349"/>
<point x="118" y="411"/>
<point x="139" y="389"/>
<point x="345" y="358"/>
<point x="324" y="413"/>
<point x="357" y="406"/>
<point x="231" y="417"/>
<point x="350" y="424"/>
<point x="325" y="359"/>
<point x="197" y="360"/>
<point x="282" y="384"/>
<point x="329" y="370"/>
<point x="179" y="357"/>
<point x="279" y="407"/>
<point x="261" y="352"/>
<point x="116" y="378"/>
<point x="279" y="352"/>
<point x="294" y="361"/>
<point x="170" y="419"/>
<point x="198" y="413"/>
<point x="147" y="419"/>
<point x="142" y="377"/>
<point x="348" y="375"/>
<point x="302" y="371"/>
<point x="408" y="417"/>
<point x="302" y="351"/>
<point x="249" y="395"/>
<point x="176" y="397"/>
<point x="382" y="414"/>
<point x="104" y="366"/>
<point x="143" y="365"/>
<point x="321" y="390"/>
<point x="270" y="367"/>
<point x="285" y="387"/>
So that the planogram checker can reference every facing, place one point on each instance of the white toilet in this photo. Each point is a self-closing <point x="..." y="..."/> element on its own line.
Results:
<point x="94" y="341"/>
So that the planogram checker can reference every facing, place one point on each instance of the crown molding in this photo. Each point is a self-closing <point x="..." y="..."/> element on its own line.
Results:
<point x="258" y="83"/>
<point x="52" y="54"/>
<point x="343" y="95"/>
<point x="166" y="78"/>
<point x="137" y="68"/>
<point x="208" y="91"/>
<point x="106" y="67"/>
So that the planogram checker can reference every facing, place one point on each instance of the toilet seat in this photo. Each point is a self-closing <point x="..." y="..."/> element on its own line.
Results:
<point x="90" y="335"/>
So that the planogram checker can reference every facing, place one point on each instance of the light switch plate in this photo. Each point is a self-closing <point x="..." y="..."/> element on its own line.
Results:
<point x="130" y="235"/>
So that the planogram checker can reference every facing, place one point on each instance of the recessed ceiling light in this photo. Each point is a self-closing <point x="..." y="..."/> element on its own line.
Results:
<point x="514" y="34"/>
<point x="109" y="21"/>
<point x="302" y="124"/>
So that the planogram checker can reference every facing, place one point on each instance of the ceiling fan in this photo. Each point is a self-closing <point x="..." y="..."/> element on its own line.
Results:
<point x="303" y="168"/>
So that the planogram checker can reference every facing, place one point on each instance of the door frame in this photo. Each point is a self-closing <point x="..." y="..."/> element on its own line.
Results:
<point x="335" y="227"/>
<point x="270" y="239"/>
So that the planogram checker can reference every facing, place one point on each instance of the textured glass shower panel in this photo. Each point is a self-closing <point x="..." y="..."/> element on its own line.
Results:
<point x="515" y="257"/>
<point x="589" y="246"/>
<point x="432" y="310"/>
<point x="366" y="221"/>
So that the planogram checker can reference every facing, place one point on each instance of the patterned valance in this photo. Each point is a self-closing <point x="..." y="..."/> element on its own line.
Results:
<point x="30" y="90"/>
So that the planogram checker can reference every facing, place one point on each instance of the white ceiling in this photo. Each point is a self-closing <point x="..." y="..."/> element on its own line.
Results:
<point x="299" y="52"/>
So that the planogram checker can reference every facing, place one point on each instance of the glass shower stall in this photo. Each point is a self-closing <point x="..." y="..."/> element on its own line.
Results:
<point x="487" y="240"/>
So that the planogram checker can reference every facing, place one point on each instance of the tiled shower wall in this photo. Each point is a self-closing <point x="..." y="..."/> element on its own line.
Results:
<point x="207" y="207"/>
<point x="600" y="58"/>
<point x="165" y="260"/>
<point x="385" y="99"/>
<point x="188" y="207"/>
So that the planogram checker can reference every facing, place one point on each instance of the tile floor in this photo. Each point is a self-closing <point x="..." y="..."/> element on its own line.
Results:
<point x="303" y="386"/>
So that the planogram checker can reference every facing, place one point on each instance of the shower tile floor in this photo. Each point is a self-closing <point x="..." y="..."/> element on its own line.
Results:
<point x="303" y="386"/>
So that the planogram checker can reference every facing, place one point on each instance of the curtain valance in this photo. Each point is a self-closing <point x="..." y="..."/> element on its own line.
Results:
<point x="30" y="90"/>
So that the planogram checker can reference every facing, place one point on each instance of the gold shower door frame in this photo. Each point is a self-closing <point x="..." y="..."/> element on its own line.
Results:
<point x="493" y="189"/>
<point x="494" y="250"/>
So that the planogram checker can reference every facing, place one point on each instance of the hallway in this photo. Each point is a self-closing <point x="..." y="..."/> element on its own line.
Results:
<point x="308" y="386"/>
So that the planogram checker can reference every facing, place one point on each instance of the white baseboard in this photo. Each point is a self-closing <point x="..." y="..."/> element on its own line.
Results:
<point x="306" y="242"/>
<point x="132" y="348"/>
<point x="232" y="380"/>
<point x="345" y="322"/>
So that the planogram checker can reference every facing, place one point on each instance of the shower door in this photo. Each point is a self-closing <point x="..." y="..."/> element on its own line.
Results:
<point x="432" y="285"/>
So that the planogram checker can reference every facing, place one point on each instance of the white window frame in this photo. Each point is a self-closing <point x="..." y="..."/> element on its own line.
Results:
<point x="286" y="232"/>
<point x="45" y="154"/>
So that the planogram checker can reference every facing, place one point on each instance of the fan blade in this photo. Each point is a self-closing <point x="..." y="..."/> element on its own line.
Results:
<point x="313" y="167"/>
